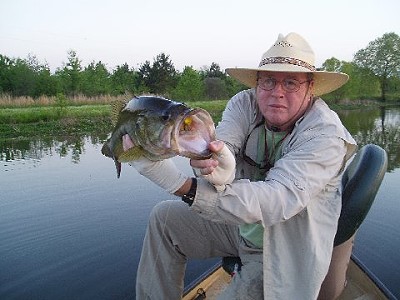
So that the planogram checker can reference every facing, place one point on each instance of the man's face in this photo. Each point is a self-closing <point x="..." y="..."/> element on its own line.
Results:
<point x="283" y="104"/>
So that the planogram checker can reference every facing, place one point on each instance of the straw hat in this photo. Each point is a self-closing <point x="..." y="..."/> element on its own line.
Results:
<point x="291" y="53"/>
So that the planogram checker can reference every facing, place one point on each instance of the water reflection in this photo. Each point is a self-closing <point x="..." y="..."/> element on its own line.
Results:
<point x="376" y="126"/>
<point x="36" y="149"/>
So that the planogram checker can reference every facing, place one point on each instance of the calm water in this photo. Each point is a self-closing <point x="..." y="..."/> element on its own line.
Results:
<point x="69" y="229"/>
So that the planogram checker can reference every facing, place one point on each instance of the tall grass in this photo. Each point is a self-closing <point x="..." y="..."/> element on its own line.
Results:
<point x="26" y="101"/>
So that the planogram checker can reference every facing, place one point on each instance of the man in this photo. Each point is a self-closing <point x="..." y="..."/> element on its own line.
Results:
<point x="271" y="194"/>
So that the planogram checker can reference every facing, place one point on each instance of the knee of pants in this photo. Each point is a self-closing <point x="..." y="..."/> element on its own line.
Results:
<point x="167" y="211"/>
<point x="159" y="213"/>
<point x="159" y="210"/>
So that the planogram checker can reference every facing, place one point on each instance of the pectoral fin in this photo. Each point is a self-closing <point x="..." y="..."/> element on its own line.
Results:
<point x="133" y="153"/>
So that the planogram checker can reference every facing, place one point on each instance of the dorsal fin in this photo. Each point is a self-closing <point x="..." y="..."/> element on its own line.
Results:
<point x="116" y="107"/>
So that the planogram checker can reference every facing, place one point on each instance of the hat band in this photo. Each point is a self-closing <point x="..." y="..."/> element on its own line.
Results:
<point x="287" y="60"/>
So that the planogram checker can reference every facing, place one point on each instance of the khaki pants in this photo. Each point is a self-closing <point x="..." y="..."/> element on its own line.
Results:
<point x="175" y="234"/>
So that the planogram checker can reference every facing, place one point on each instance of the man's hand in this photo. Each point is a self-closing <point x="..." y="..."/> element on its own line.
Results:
<point x="220" y="168"/>
<point x="164" y="173"/>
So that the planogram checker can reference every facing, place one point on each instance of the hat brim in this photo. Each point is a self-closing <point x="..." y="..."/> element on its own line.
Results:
<point x="324" y="82"/>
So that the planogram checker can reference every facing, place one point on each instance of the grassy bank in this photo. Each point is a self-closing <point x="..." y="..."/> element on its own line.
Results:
<point x="19" y="122"/>
<point x="24" y="116"/>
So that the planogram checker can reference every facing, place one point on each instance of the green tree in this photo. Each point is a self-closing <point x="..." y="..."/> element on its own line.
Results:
<point x="160" y="77"/>
<point x="382" y="58"/>
<point x="189" y="87"/>
<point x="44" y="82"/>
<point x="5" y="67"/>
<point x="95" y="79"/>
<point x="213" y="71"/>
<point x="362" y="83"/>
<point x="22" y="78"/>
<point x="144" y="77"/>
<point x="332" y="65"/>
<point x="124" y="79"/>
<point x="394" y="86"/>
<point x="214" y="82"/>
<point x="215" y="88"/>
<point x="233" y="86"/>
<point x="70" y="74"/>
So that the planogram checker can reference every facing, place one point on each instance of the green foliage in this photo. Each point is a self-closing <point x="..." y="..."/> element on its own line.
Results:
<point x="362" y="84"/>
<point x="332" y="65"/>
<point x="27" y="115"/>
<point x="382" y="58"/>
<point x="46" y="84"/>
<point x="19" y="122"/>
<point x="160" y="77"/>
<point x="5" y="81"/>
<point x="22" y="78"/>
<point x="374" y="73"/>
<point x="70" y="74"/>
<point x="189" y="87"/>
<point x="124" y="80"/>
<point x="217" y="85"/>
<point x="215" y="88"/>
<point x="95" y="80"/>
<point x="213" y="71"/>
<point x="61" y="104"/>
<point x="233" y="86"/>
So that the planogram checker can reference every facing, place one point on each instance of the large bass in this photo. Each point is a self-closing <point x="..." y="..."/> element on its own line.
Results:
<point x="159" y="128"/>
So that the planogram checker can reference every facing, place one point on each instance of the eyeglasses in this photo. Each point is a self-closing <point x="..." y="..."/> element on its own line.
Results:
<point x="289" y="85"/>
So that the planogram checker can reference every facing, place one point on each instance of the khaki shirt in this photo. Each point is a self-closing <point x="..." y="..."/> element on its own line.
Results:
<point x="299" y="201"/>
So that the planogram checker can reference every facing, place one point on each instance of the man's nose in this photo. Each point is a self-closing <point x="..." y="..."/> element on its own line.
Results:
<point x="278" y="88"/>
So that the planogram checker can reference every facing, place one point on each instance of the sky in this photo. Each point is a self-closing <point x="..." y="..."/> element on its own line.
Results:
<point x="230" y="33"/>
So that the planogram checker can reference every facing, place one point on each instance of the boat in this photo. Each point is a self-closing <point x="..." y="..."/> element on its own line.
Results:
<point x="361" y="181"/>
<point x="362" y="284"/>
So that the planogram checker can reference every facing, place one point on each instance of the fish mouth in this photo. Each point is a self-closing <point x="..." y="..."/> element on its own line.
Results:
<point x="193" y="133"/>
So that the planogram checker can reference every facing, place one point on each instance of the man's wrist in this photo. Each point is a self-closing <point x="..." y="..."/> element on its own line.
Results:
<point x="189" y="196"/>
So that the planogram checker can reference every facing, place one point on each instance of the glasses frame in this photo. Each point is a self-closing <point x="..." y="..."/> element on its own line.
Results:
<point x="282" y="83"/>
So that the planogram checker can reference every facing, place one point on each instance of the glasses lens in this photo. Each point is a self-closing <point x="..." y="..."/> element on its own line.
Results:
<point x="291" y="85"/>
<point x="267" y="83"/>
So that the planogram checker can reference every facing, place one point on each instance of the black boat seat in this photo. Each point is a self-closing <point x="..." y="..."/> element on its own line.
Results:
<point x="361" y="181"/>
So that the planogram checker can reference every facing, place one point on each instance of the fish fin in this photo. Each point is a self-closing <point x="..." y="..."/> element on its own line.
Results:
<point x="118" y="167"/>
<point x="133" y="153"/>
<point x="116" y="107"/>
<point x="106" y="150"/>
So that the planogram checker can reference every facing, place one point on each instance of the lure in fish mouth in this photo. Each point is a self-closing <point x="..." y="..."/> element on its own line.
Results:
<point x="159" y="128"/>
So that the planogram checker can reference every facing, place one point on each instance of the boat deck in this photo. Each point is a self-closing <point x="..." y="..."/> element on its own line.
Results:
<point x="359" y="286"/>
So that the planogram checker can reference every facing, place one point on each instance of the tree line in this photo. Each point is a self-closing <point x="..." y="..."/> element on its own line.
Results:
<point x="374" y="74"/>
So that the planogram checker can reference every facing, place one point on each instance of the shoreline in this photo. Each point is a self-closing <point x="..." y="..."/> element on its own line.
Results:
<point x="49" y="120"/>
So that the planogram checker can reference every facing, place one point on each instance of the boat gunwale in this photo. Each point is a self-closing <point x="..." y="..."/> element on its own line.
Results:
<point x="378" y="283"/>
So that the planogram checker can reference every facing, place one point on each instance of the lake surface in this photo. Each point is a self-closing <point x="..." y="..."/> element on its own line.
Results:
<point x="69" y="229"/>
